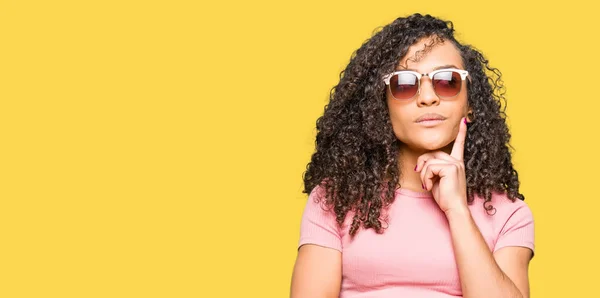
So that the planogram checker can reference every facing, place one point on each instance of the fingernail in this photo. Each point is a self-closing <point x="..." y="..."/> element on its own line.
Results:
<point x="416" y="167"/>
<point x="465" y="120"/>
<point x="423" y="185"/>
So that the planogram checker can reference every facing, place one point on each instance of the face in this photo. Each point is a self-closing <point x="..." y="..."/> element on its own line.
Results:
<point x="405" y="113"/>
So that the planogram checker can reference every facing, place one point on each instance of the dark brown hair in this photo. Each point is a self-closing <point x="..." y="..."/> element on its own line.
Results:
<point x="356" y="151"/>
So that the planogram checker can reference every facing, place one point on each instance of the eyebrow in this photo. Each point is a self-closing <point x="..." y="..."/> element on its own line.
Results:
<point x="435" y="68"/>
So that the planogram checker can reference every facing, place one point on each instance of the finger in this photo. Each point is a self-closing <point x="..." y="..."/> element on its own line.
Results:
<point x="459" y="144"/>
<point x="434" y="172"/>
<point x="432" y="155"/>
<point x="421" y="160"/>
<point x="426" y="172"/>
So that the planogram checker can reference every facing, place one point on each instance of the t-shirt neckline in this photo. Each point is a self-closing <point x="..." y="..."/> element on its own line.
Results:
<point x="414" y="194"/>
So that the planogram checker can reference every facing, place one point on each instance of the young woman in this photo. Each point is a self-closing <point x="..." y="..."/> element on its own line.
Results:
<point x="412" y="191"/>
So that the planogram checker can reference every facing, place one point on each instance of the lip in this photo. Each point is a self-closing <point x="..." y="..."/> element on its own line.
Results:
<point x="430" y="118"/>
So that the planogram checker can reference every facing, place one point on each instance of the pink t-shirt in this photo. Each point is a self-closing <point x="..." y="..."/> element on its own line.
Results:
<point x="414" y="256"/>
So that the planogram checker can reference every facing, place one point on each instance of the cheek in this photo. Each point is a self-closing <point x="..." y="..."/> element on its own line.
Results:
<point x="400" y="122"/>
<point x="434" y="139"/>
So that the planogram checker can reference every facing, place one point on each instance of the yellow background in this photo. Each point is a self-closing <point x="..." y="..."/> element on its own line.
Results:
<point x="156" y="148"/>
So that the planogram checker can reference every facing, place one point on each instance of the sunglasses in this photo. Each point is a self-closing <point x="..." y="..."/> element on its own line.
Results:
<point x="405" y="84"/>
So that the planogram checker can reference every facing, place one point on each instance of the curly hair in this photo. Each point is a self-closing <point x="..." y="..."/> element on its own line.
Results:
<point x="356" y="151"/>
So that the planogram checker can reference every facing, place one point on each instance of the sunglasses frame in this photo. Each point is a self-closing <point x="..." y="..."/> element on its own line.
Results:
<point x="463" y="75"/>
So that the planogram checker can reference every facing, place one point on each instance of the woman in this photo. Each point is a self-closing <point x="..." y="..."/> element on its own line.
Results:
<point x="412" y="191"/>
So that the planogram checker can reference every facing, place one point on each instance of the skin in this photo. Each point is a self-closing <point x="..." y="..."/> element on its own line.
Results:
<point x="431" y="159"/>
<point x="442" y="172"/>
<point x="417" y="139"/>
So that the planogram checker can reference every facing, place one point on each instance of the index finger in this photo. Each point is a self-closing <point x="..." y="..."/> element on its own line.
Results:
<point x="459" y="144"/>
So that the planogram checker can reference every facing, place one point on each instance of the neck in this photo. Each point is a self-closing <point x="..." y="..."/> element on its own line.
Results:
<point x="407" y="160"/>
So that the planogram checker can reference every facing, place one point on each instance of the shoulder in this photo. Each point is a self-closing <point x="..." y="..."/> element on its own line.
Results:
<point x="319" y="225"/>
<point x="317" y="201"/>
<point x="501" y="206"/>
<point x="317" y="208"/>
<point x="320" y="210"/>
<point x="504" y="215"/>
<point x="513" y="222"/>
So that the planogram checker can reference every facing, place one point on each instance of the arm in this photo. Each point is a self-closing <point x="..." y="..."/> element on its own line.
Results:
<point x="483" y="274"/>
<point x="317" y="272"/>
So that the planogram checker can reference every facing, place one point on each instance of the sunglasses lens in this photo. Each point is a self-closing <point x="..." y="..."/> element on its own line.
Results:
<point x="447" y="83"/>
<point x="404" y="85"/>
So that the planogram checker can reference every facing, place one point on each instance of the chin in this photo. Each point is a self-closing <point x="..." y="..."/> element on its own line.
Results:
<point x="429" y="142"/>
<point x="431" y="145"/>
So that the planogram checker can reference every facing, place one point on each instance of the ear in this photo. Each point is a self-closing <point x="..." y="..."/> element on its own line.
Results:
<point x="469" y="115"/>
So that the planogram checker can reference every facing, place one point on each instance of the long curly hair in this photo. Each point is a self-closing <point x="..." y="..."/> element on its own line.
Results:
<point x="356" y="151"/>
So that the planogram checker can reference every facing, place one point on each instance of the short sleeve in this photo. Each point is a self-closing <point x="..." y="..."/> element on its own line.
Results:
<point x="319" y="225"/>
<point x="518" y="229"/>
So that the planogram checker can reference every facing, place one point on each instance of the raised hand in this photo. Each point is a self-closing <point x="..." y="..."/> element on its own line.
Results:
<point x="444" y="174"/>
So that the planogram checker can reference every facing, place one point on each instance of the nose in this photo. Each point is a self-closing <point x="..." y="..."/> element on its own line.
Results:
<point x="427" y="96"/>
